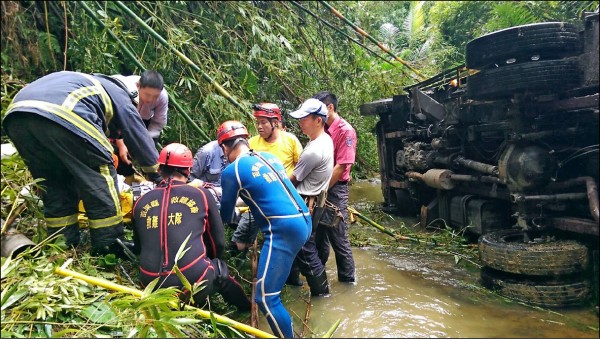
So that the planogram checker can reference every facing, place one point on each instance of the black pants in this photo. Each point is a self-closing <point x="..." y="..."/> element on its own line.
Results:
<point x="217" y="280"/>
<point x="337" y="236"/>
<point x="73" y="170"/>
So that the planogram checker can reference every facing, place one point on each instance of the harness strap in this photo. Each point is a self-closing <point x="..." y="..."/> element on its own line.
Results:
<point x="291" y="196"/>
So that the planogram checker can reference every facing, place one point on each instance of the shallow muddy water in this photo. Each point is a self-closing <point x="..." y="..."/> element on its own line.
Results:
<point x="401" y="293"/>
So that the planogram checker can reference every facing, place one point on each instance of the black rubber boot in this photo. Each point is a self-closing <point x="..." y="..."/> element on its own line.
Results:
<point x="318" y="284"/>
<point x="294" y="277"/>
<point x="229" y="288"/>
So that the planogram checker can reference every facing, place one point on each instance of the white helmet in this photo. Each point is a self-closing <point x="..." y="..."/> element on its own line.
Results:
<point x="129" y="82"/>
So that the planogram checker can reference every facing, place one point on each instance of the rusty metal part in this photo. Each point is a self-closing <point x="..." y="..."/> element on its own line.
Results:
<point x="14" y="242"/>
<point x="439" y="178"/>
<point x="414" y="175"/>
<point x="526" y="166"/>
<point x="423" y="221"/>
<point x="12" y="217"/>
<point x="547" y="197"/>
<point x="477" y="166"/>
<point x="591" y="191"/>
<point x="578" y="225"/>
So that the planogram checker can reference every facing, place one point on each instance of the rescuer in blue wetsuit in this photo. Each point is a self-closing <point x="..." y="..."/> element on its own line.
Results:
<point x="260" y="180"/>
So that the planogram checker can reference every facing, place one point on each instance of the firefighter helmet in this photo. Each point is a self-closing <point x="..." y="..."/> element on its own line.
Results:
<point x="176" y="155"/>
<point x="267" y="110"/>
<point x="230" y="129"/>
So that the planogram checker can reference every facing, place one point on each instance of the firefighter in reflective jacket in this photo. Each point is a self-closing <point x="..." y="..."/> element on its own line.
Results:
<point x="59" y="124"/>
<point x="167" y="216"/>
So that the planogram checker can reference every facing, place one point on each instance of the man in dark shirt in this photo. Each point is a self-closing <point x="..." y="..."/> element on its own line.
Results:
<point x="175" y="213"/>
<point x="60" y="124"/>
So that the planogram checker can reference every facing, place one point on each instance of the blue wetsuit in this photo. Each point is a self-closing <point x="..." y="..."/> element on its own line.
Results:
<point x="283" y="218"/>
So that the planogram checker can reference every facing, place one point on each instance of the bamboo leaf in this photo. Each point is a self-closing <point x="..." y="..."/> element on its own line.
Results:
<point x="5" y="267"/>
<point x="99" y="313"/>
<point x="185" y="321"/>
<point x="12" y="297"/>
<point x="183" y="279"/>
<point x="148" y="290"/>
<point x="182" y="250"/>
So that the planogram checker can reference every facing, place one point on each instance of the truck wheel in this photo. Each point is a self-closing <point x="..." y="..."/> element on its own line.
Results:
<point x="505" y="250"/>
<point x="548" y="293"/>
<point x="383" y="106"/>
<point x="548" y="40"/>
<point x="538" y="77"/>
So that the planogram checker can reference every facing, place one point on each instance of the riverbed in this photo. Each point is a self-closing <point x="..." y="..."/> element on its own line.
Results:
<point x="404" y="293"/>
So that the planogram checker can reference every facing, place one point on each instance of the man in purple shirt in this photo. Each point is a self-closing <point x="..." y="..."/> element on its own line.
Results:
<point x="344" y="149"/>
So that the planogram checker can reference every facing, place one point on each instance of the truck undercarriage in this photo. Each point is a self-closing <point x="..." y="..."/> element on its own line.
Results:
<point x="506" y="147"/>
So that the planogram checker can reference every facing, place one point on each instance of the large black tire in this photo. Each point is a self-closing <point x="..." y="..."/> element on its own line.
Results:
<point x="539" y="77"/>
<point x="549" y="40"/>
<point x="505" y="251"/>
<point x="383" y="106"/>
<point x="548" y="293"/>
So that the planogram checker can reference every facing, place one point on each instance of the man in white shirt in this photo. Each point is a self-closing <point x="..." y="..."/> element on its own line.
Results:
<point x="311" y="177"/>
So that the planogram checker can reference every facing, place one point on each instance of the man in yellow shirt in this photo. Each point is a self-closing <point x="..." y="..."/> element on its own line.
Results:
<point x="285" y="146"/>
<point x="272" y="138"/>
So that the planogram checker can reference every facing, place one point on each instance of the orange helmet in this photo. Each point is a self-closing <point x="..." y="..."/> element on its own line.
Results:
<point x="176" y="155"/>
<point x="230" y="129"/>
<point x="267" y="110"/>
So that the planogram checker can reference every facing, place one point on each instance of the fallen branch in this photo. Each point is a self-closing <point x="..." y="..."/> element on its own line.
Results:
<point x="62" y="270"/>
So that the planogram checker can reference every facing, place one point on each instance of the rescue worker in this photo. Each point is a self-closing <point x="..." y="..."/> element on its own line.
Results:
<point x="311" y="177"/>
<point x="152" y="101"/>
<point x="169" y="214"/>
<point x="285" y="146"/>
<point x="259" y="178"/>
<point x="344" y="149"/>
<point x="209" y="163"/>
<point x="58" y="125"/>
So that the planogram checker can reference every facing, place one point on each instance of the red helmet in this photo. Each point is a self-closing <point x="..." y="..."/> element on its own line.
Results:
<point x="267" y="110"/>
<point x="230" y="129"/>
<point x="176" y="155"/>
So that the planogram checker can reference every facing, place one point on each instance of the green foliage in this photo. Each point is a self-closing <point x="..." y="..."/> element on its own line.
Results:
<point x="257" y="51"/>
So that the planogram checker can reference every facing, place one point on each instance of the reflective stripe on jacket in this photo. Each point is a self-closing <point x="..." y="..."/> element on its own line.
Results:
<point x="92" y="108"/>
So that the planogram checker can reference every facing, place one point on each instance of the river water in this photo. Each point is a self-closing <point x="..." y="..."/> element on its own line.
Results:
<point x="401" y="293"/>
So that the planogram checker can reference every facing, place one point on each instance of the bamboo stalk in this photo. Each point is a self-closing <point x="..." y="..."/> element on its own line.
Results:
<point x="385" y="230"/>
<point x="185" y="59"/>
<point x="332" y="329"/>
<point x="12" y="216"/>
<point x="297" y="4"/>
<point x="135" y="60"/>
<point x="306" y="317"/>
<point x="62" y="270"/>
<point x="254" y="307"/>
<point x="366" y="35"/>
<point x="64" y="3"/>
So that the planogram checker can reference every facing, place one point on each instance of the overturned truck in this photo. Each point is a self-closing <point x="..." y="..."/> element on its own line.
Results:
<point x="506" y="148"/>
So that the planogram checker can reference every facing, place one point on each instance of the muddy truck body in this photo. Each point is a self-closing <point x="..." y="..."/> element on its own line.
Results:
<point x="505" y="148"/>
